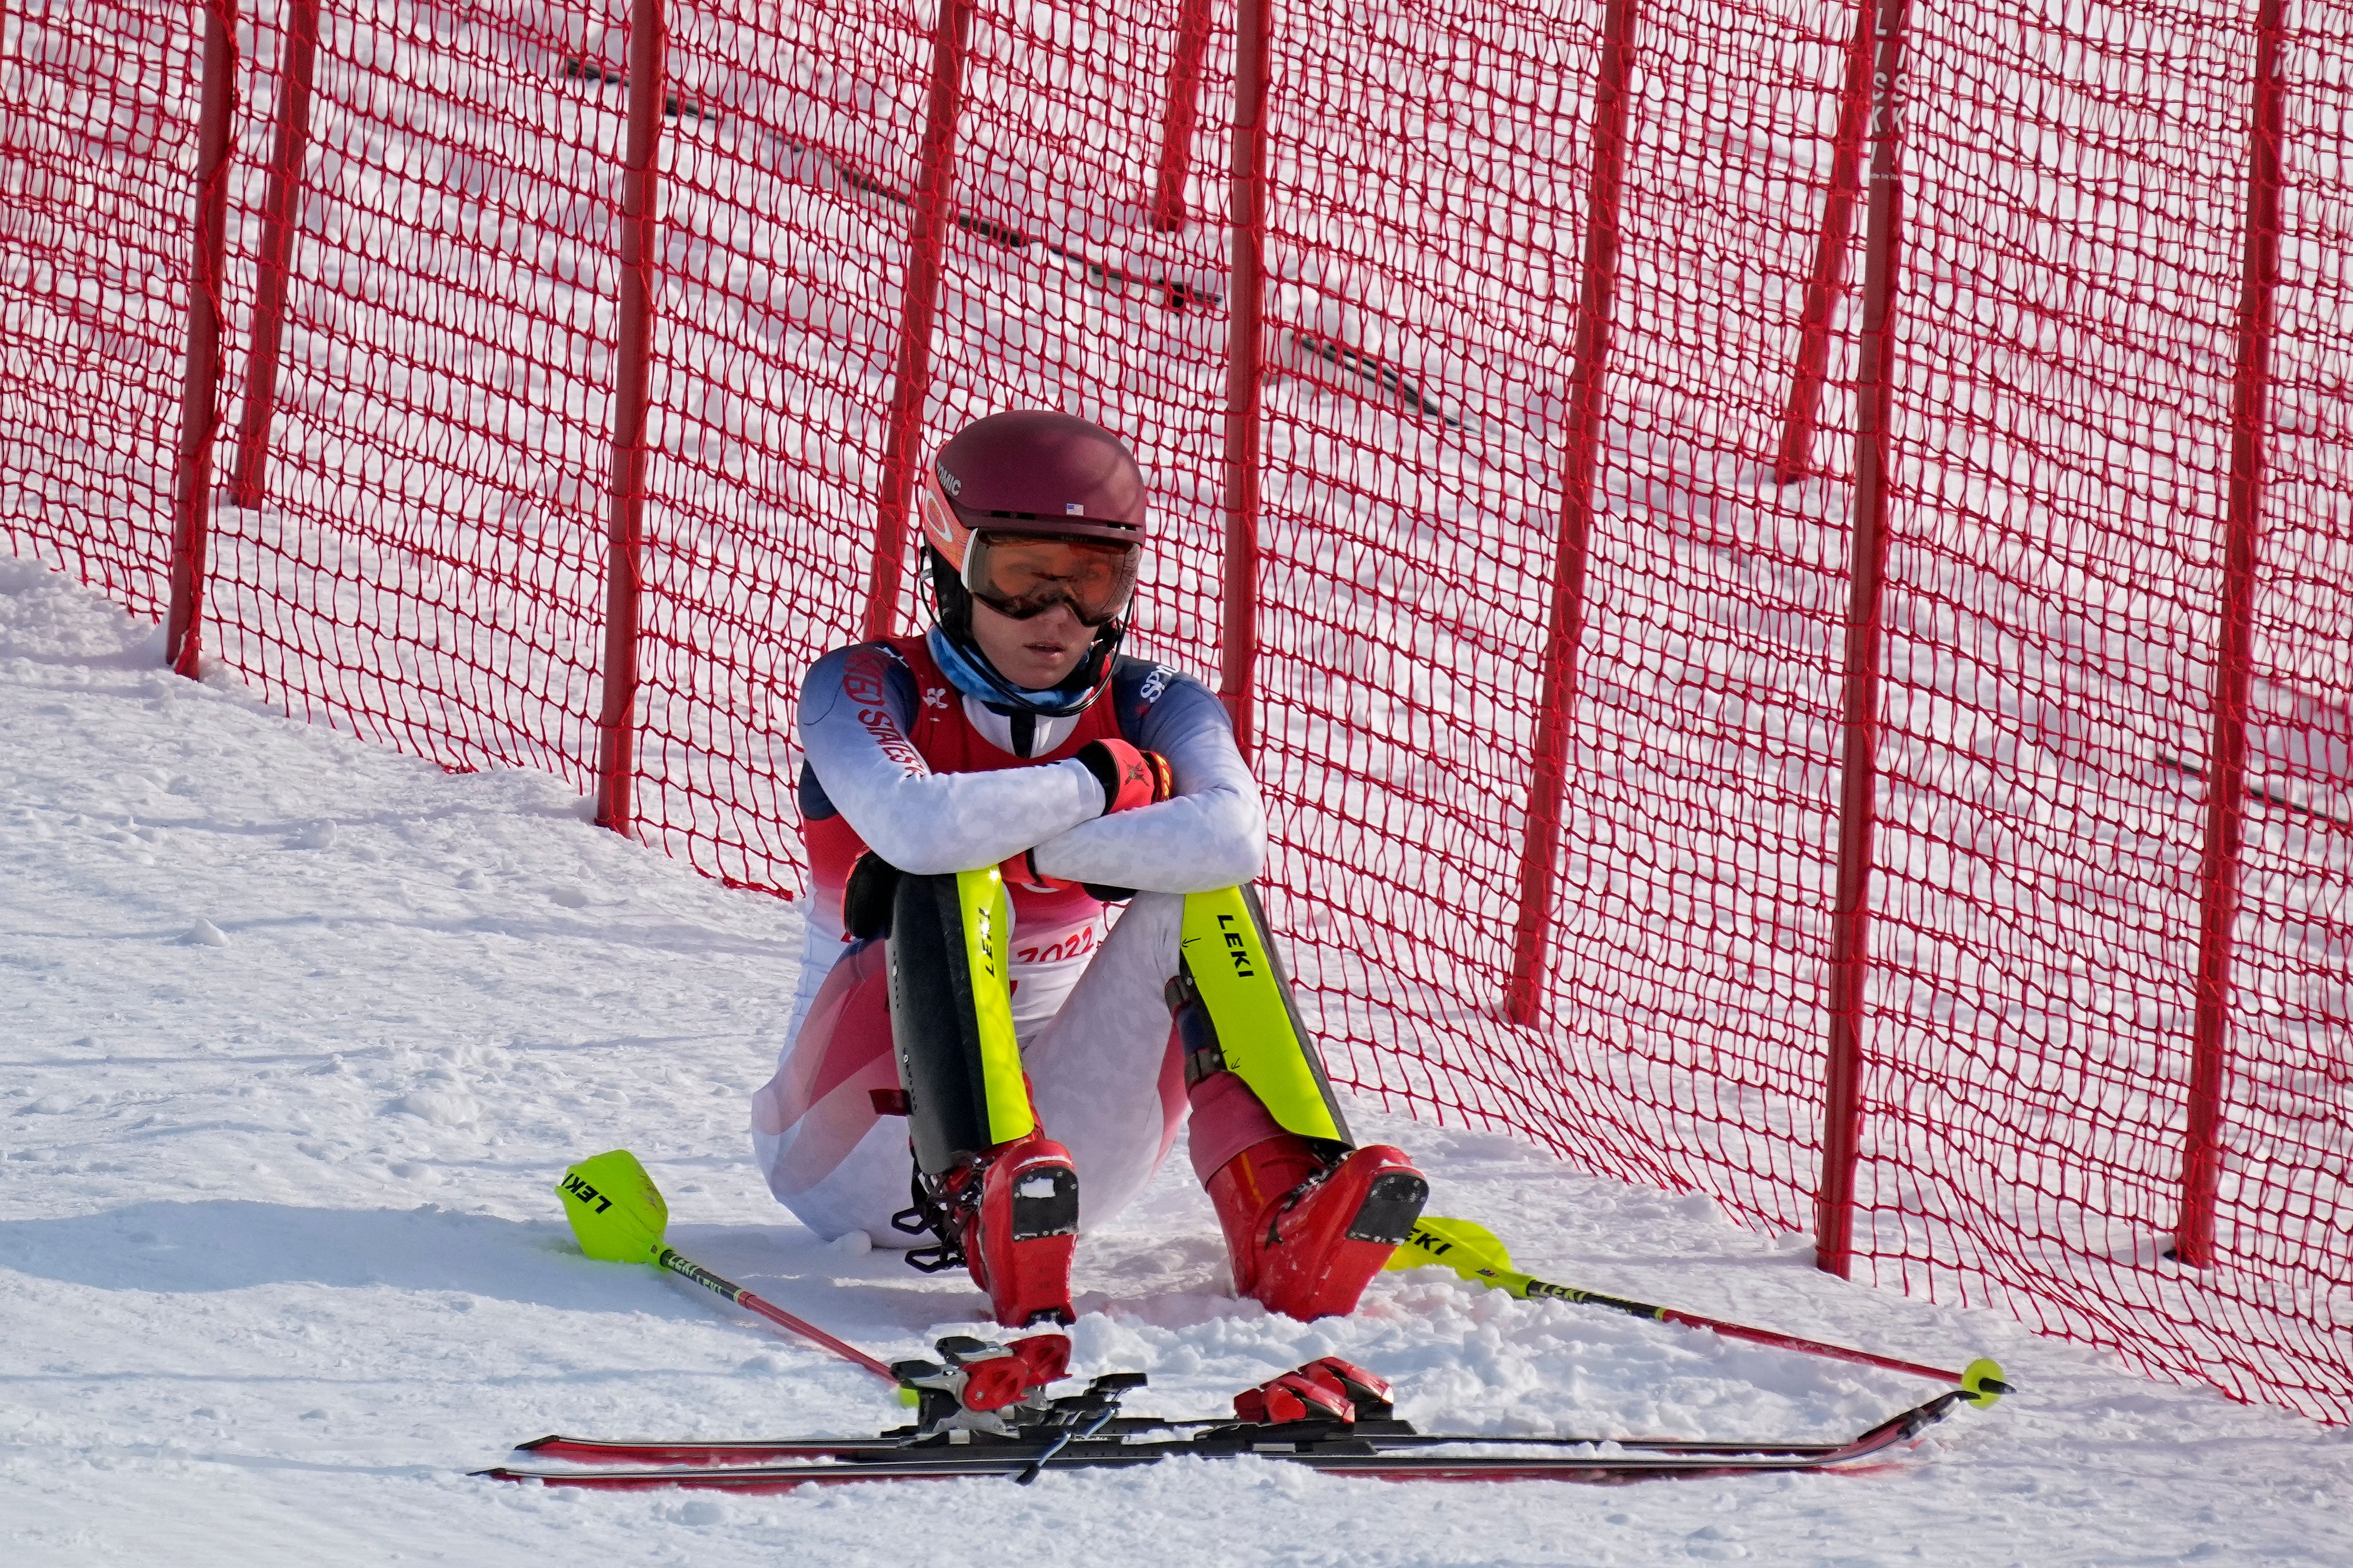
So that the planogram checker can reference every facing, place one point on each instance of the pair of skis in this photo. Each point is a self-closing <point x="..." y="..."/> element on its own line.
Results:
<point x="1086" y="1432"/>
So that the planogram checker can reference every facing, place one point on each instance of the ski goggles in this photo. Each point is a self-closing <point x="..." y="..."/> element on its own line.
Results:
<point x="1023" y="574"/>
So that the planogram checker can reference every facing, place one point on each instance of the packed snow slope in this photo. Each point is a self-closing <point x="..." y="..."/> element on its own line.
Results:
<point x="298" y="1033"/>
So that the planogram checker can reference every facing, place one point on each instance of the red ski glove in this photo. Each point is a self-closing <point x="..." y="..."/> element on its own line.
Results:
<point x="1129" y="777"/>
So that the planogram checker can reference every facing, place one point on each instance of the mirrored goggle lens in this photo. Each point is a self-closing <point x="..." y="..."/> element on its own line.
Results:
<point x="1023" y="575"/>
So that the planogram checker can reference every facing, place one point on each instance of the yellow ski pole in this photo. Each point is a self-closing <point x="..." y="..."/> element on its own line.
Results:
<point x="1474" y="1252"/>
<point x="619" y="1217"/>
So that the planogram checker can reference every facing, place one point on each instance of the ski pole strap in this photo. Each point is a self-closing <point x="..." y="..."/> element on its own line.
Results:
<point x="686" y="1268"/>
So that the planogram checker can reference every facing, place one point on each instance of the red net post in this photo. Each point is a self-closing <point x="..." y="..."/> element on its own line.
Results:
<point x="2059" y="551"/>
<point x="1245" y="368"/>
<point x="2266" y="1319"/>
<point x="1180" y="115"/>
<point x="1588" y="399"/>
<point x="281" y="202"/>
<point x="1858" y="780"/>
<point x="1827" y="284"/>
<point x="935" y="211"/>
<point x="2226" y="764"/>
<point x="200" y="385"/>
<point x="617" y="723"/>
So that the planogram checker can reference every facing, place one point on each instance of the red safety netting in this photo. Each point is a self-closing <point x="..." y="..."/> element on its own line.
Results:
<point x="422" y="556"/>
<point x="790" y="197"/>
<point x="2284" y="1225"/>
<point x="98" y="151"/>
<point x="785" y="169"/>
<point x="417" y="552"/>
<point x="1430" y="217"/>
<point x="2071" y="315"/>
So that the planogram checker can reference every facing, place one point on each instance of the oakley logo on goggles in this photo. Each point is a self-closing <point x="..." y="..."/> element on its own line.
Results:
<point x="1025" y="575"/>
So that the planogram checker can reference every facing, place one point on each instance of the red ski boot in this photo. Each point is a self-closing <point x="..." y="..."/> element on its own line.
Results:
<point x="1306" y="1238"/>
<point x="1018" y="1238"/>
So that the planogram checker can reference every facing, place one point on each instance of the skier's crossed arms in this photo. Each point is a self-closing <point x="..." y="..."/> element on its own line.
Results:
<point x="971" y="800"/>
<point x="1211" y="832"/>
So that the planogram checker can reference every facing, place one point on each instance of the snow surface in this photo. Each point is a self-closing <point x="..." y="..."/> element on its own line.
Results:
<point x="300" y="1033"/>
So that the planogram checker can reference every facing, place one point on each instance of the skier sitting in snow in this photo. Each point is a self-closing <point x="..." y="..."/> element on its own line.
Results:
<point x="972" y="799"/>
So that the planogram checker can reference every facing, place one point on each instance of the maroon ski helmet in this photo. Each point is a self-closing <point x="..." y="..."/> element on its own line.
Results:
<point x="1031" y="471"/>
